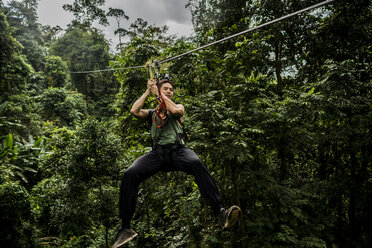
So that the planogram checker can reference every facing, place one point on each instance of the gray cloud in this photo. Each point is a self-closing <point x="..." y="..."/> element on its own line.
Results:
<point x="159" y="11"/>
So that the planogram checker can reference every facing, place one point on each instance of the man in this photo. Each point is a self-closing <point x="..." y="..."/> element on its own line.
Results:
<point x="168" y="154"/>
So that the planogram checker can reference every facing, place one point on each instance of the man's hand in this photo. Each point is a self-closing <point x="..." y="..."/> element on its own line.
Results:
<point x="151" y="87"/>
<point x="148" y="63"/>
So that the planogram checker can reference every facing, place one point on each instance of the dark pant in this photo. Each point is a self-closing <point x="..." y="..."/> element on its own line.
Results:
<point x="180" y="159"/>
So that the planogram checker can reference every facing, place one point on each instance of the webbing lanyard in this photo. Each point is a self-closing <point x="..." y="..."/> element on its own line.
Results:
<point x="162" y="108"/>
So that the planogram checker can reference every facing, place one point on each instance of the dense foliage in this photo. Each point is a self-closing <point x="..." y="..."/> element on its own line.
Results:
<point x="282" y="118"/>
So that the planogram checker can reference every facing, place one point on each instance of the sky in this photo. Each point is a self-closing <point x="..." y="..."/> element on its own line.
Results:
<point x="157" y="12"/>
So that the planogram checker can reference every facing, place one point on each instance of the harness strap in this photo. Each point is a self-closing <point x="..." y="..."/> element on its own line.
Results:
<point x="157" y="131"/>
<point x="183" y="134"/>
<point x="161" y="108"/>
<point x="178" y="135"/>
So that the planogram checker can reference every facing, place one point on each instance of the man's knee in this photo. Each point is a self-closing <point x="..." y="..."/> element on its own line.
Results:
<point x="191" y="157"/>
<point x="196" y="161"/>
<point x="129" y="175"/>
<point x="197" y="164"/>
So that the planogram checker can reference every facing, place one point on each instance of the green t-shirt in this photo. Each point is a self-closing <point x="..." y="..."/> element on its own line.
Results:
<point x="167" y="134"/>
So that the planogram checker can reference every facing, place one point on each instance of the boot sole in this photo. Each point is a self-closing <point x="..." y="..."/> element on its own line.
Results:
<point x="126" y="241"/>
<point x="233" y="217"/>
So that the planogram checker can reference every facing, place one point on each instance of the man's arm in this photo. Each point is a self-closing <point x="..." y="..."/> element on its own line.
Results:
<point x="175" y="109"/>
<point x="136" y="109"/>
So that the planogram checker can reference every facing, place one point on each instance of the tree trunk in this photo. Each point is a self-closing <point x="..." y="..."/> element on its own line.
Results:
<point x="283" y="153"/>
<point x="107" y="237"/>
<point x="278" y="67"/>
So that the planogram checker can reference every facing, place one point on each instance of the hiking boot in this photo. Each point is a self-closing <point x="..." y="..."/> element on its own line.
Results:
<point x="123" y="237"/>
<point x="228" y="217"/>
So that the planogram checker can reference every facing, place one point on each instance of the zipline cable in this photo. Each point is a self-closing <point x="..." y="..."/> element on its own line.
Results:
<point x="221" y="40"/>
<point x="110" y="69"/>
<point x="249" y="30"/>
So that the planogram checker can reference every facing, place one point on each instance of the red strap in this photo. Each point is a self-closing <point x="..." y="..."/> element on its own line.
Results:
<point x="161" y="107"/>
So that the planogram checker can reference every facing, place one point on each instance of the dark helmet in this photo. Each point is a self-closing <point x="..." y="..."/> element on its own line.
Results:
<point x="167" y="78"/>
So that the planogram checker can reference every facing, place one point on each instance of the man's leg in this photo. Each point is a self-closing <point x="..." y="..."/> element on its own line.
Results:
<point x="144" y="167"/>
<point x="186" y="160"/>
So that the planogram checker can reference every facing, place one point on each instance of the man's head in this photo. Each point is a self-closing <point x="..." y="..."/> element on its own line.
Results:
<point x="166" y="87"/>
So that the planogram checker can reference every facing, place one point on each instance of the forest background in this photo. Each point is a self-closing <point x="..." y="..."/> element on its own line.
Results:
<point x="282" y="118"/>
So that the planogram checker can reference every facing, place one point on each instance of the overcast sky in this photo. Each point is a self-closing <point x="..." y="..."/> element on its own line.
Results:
<point x="159" y="12"/>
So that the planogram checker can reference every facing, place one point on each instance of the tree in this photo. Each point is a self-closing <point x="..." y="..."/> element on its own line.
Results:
<point x="15" y="74"/>
<point x="86" y="51"/>
<point x="22" y="17"/>
<point x="15" y="210"/>
<point x="50" y="33"/>
<point x="86" y="12"/>
<point x="56" y="72"/>
<point x="141" y="29"/>
<point x="65" y="108"/>
<point x="118" y="14"/>
<point x="343" y="140"/>
<point x="84" y="171"/>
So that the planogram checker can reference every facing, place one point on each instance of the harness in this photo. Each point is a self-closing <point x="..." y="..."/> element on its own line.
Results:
<point x="167" y="152"/>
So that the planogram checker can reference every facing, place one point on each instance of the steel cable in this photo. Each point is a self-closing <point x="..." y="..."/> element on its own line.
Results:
<point x="221" y="40"/>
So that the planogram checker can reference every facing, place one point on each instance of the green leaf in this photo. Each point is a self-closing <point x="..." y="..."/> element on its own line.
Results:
<point x="9" y="141"/>
<point x="3" y="105"/>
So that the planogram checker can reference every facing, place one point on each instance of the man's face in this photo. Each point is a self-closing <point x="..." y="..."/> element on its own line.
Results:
<point x="167" y="90"/>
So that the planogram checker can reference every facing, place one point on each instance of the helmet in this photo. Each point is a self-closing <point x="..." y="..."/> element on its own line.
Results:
<point x="167" y="78"/>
